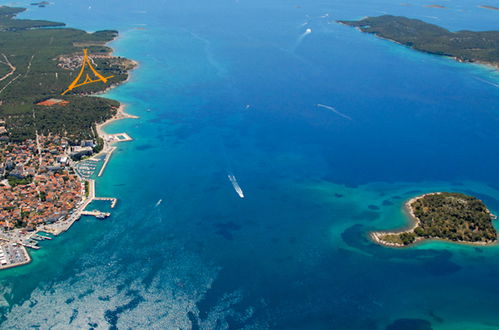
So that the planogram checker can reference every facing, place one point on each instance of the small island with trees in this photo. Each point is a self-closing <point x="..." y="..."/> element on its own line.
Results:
<point x="443" y="216"/>
<point x="464" y="46"/>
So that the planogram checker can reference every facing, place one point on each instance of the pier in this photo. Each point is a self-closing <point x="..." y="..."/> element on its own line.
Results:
<point x="31" y="246"/>
<point x="40" y="237"/>
<point x="106" y="160"/>
<point x="97" y="214"/>
<point x="111" y="199"/>
<point x="120" y="137"/>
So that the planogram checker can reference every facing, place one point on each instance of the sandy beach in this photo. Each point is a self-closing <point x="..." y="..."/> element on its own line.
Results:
<point x="120" y="114"/>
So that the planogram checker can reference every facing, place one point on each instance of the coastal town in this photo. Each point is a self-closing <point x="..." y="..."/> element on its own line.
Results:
<point x="44" y="188"/>
<point x="52" y="143"/>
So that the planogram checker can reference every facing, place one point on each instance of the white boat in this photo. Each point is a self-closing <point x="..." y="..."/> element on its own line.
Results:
<point x="236" y="186"/>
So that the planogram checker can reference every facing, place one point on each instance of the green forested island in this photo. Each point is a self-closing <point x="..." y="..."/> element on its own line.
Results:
<point x="465" y="46"/>
<point x="38" y="60"/>
<point x="449" y="216"/>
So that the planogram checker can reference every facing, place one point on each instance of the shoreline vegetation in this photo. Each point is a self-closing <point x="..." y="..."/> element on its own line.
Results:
<point x="61" y="136"/>
<point x="38" y="61"/>
<point x="463" y="46"/>
<point x="450" y="217"/>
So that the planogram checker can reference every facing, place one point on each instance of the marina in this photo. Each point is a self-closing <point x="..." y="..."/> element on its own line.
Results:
<point x="86" y="168"/>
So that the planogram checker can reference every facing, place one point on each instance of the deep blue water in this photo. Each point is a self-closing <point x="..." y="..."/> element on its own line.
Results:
<point x="232" y="87"/>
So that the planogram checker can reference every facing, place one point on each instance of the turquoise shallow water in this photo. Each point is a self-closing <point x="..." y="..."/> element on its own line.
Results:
<point x="294" y="252"/>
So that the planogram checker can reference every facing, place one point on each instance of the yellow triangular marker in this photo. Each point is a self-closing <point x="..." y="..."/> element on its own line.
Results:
<point x="88" y="80"/>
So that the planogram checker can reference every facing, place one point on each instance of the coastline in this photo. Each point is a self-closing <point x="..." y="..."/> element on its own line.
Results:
<point x="488" y="65"/>
<point x="414" y="223"/>
<point x="21" y="240"/>
<point x="493" y="66"/>
<point x="107" y="149"/>
<point x="120" y="114"/>
<point x="135" y="65"/>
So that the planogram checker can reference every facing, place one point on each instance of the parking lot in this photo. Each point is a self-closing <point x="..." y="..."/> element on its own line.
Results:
<point x="13" y="255"/>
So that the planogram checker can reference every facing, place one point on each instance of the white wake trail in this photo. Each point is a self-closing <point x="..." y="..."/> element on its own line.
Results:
<point x="487" y="82"/>
<point x="300" y="38"/>
<point x="235" y="184"/>
<point x="330" y="108"/>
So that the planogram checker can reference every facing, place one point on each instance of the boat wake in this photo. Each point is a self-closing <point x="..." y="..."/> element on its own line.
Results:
<point x="221" y="71"/>
<point x="300" y="39"/>
<point x="236" y="186"/>
<point x="487" y="82"/>
<point x="330" y="108"/>
<point x="306" y="33"/>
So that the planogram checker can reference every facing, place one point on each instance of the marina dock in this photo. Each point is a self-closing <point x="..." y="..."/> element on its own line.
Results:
<point x="31" y="246"/>
<point x="97" y="214"/>
<point x="106" y="160"/>
<point x="111" y="199"/>
<point x="40" y="237"/>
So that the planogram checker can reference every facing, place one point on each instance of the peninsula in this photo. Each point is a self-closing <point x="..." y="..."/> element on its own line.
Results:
<point x="443" y="216"/>
<point x="52" y="145"/>
<point x="465" y="46"/>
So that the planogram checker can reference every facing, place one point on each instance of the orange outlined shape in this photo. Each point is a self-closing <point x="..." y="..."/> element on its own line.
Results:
<point x="86" y="62"/>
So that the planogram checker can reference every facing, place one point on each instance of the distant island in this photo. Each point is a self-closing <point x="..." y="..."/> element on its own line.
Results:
<point x="435" y="6"/>
<point x="464" y="46"/>
<point x="489" y="7"/>
<point x="40" y="4"/>
<point x="445" y="216"/>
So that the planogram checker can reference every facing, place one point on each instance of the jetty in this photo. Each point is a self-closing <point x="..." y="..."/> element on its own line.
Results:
<point x="119" y="137"/>
<point x="111" y="199"/>
<point x="96" y="213"/>
<point x="31" y="246"/>
<point x="106" y="160"/>
<point x="40" y="237"/>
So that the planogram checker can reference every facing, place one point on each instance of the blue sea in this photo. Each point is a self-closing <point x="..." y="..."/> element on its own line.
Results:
<point x="327" y="132"/>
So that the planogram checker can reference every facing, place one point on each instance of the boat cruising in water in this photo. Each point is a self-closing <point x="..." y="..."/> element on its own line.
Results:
<point x="235" y="184"/>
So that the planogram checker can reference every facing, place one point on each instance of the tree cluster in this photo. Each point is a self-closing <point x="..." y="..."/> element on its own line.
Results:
<point x="36" y="51"/>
